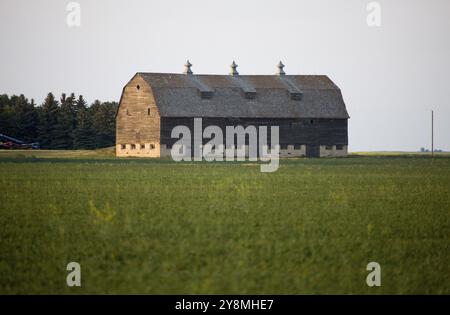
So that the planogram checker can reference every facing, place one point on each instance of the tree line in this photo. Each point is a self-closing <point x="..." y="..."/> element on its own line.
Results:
<point x="67" y="123"/>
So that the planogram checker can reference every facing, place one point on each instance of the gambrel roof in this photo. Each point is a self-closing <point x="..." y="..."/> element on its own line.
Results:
<point x="256" y="96"/>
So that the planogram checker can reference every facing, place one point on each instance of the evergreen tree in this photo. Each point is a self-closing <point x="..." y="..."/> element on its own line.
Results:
<point x="25" y="119"/>
<point x="48" y="120"/>
<point x="80" y="105"/>
<point x="29" y="123"/>
<point x="70" y="125"/>
<point x="6" y="115"/>
<point x="83" y="135"/>
<point x="103" y="115"/>
<point x="20" y="109"/>
<point x="65" y="125"/>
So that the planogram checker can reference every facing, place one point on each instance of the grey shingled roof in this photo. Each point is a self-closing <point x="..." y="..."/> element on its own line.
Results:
<point x="179" y="95"/>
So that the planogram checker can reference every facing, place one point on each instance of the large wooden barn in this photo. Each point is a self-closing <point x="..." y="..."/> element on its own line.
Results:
<point x="309" y="110"/>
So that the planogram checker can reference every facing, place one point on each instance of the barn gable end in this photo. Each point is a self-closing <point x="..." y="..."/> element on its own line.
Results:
<point x="137" y="121"/>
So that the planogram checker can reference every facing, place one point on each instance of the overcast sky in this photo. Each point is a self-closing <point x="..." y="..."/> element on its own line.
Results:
<point x="391" y="76"/>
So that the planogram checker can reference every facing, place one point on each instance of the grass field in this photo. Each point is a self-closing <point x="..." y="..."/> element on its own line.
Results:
<point x="156" y="226"/>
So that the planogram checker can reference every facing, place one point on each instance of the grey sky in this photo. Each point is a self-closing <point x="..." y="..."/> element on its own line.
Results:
<point x="391" y="76"/>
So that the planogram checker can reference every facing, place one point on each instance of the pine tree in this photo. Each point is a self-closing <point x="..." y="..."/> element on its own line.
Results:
<point x="20" y="104"/>
<point x="80" y="105"/>
<point x="18" y="117"/>
<point x="65" y="125"/>
<point x="48" y="120"/>
<point x="29" y="123"/>
<point x="83" y="135"/>
<point x="6" y="115"/>
<point x="104" y="123"/>
<point x="70" y="125"/>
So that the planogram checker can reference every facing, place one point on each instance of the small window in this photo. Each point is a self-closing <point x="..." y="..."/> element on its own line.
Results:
<point x="128" y="113"/>
<point x="295" y="124"/>
<point x="152" y="146"/>
<point x="122" y="146"/>
<point x="148" y="111"/>
<point x="328" y="147"/>
<point x="283" y="146"/>
<point x="142" y="146"/>
<point x="339" y="147"/>
<point x="206" y="94"/>
<point x="250" y="95"/>
<point x="133" y="147"/>
<point x="297" y="146"/>
<point x="168" y="146"/>
<point x="312" y="121"/>
<point x="138" y="87"/>
<point x="296" y="96"/>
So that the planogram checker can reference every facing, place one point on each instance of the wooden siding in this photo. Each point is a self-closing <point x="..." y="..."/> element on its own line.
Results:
<point x="133" y="123"/>
<point x="292" y="131"/>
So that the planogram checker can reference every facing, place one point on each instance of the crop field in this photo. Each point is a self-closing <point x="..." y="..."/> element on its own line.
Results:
<point x="161" y="227"/>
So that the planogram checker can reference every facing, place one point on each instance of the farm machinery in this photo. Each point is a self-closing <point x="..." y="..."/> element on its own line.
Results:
<point x="10" y="143"/>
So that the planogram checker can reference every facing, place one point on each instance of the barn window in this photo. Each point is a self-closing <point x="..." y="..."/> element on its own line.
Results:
<point x="152" y="146"/>
<point x="138" y="87"/>
<point x="339" y="147"/>
<point x="206" y="94"/>
<point x="297" y="146"/>
<point x="328" y="147"/>
<point x="133" y="147"/>
<point x="250" y="95"/>
<point x="148" y="111"/>
<point x="142" y="146"/>
<point x="295" y="124"/>
<point x="122" y="146"/>
<point x="296" y="96"/>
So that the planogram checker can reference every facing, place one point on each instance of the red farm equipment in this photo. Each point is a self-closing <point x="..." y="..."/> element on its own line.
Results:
<point x="11" y="143"/>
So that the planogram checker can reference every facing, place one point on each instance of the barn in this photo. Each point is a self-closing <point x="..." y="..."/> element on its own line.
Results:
<point x="309" y="110"/>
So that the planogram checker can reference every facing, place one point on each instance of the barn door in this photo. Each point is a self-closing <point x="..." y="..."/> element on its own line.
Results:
<point x="312" y="150"/>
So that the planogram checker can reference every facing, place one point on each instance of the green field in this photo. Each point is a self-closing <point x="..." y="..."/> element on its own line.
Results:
<point x="160" y="227"/>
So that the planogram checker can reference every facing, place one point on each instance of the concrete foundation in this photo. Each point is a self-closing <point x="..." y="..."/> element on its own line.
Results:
<point x="156" y="150"/>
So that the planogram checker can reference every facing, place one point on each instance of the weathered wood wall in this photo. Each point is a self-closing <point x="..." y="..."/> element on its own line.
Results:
<point x="291" y="130"/>
<point x="134" y="124"/>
